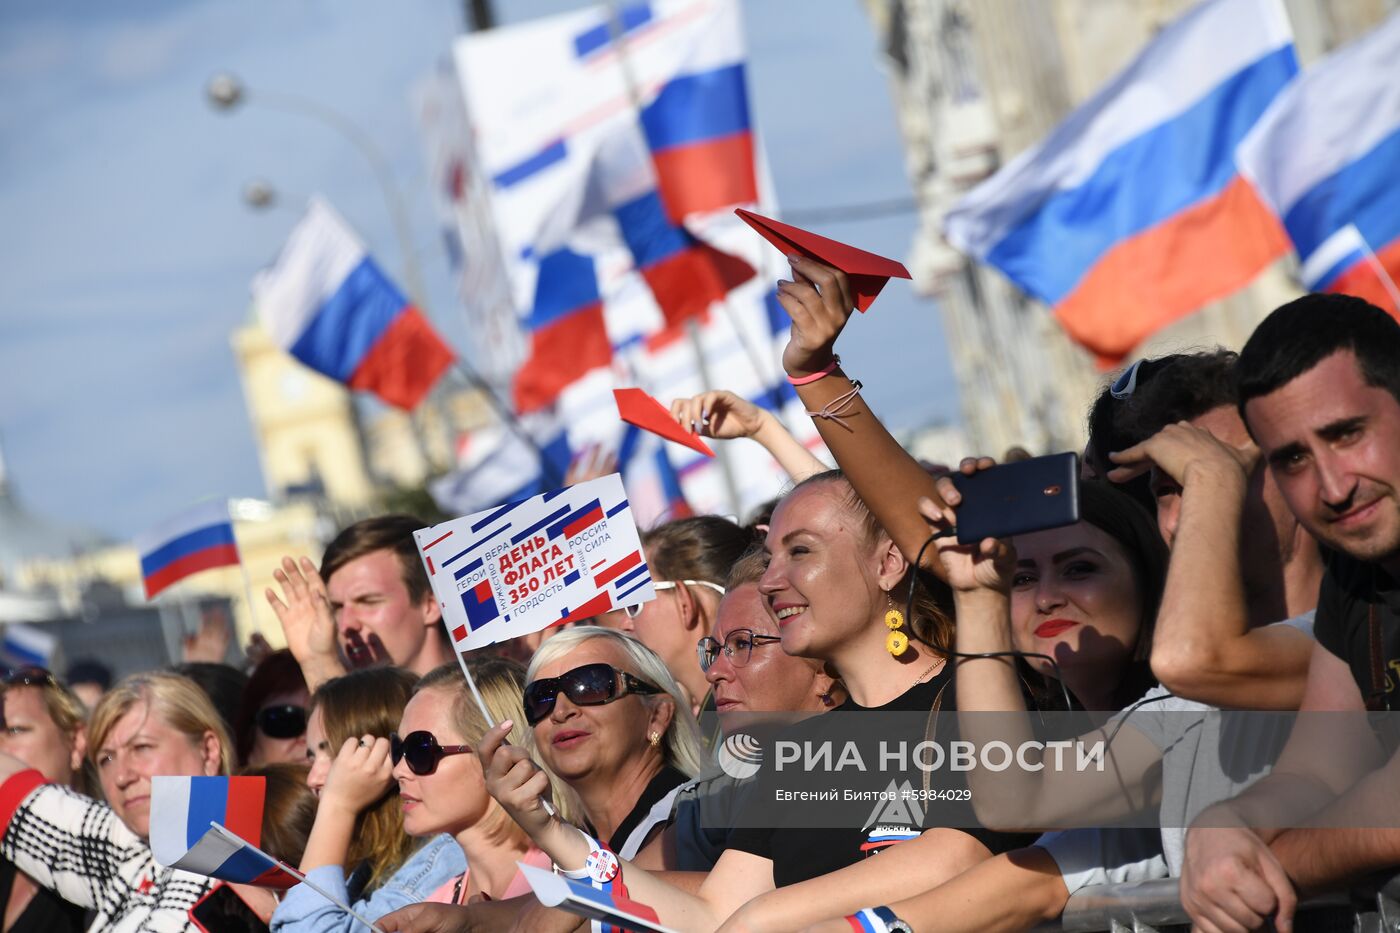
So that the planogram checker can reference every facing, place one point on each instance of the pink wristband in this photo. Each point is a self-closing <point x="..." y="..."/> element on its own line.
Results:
<point x="804" y="380"/>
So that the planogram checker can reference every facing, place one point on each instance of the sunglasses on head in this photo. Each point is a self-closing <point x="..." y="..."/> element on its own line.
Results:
<point x="28" y="676"/>
<point x="661" y="585"/>
<point x="589" y="685"/>
<point x="282" y="722"/>
<point x="422" y="751"/>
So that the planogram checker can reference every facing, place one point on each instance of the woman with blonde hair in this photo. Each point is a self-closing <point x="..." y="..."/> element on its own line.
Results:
<point x="42" y="726"/>
<point x="625" y="761"/>
<point x="358" y="849"/>
<point x="95" y="854"/>
<point x="441" y="782"/>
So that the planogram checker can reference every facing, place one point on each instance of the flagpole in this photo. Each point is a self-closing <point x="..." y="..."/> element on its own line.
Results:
<point x="618" y="32"/>
<point x="1379" y="269"/>
<point x="490" y="720"/>
<point x="234" y="837"/>
<point x="508" y="418"/>
<point x="247" y="582"/>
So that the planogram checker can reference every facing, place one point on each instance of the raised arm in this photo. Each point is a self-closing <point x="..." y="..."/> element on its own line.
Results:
<point x="981" y="576"/>
<point x="722" y="414"/>
<point x="359" y="776"/>
<point x="307" y="622"/>
<point x="69" y="843"/>
<point x="887" y="479"/>
<point x="1204" y="647"/>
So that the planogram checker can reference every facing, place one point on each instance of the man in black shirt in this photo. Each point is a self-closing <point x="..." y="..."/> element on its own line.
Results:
<point x="1320" y="393"/>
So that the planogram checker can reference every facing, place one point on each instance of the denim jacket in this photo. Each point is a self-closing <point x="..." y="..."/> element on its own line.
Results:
<point x="305" y="911"/>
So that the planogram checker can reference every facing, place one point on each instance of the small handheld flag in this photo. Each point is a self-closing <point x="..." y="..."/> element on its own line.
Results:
<point x="636" y="407"/>
<point x="182" y="809"/>
<point x="198" y="539"/>
<point x="866" y="272"/>
<point x="578" y="897"/>
<point x="203" y="825"/>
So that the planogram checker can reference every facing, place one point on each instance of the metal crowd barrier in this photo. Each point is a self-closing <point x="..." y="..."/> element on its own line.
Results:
<point x="1153" y="907"/>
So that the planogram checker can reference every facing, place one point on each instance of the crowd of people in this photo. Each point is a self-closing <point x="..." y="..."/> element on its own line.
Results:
<point x="1237" y="548"/>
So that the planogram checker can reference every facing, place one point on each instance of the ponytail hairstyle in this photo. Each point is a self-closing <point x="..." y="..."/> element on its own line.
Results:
<point x="930" y="622"/>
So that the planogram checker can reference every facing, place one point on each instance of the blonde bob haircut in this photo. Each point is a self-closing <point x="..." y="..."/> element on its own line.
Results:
<point x="681" y="747"/>
<point x="177" y="699"/>
<point x="501" y="683"/>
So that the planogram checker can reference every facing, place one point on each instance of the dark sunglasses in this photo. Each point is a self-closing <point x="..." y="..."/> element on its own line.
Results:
<point x="28" y="676"/>
<point x="282" y="722"/>
<point x="422" y="751"/>
<point x="590" y="685"/>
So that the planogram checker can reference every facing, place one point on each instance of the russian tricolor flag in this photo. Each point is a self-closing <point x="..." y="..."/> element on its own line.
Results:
<point x="568" y="336"/>
<point x="1131" y="214"/>
<point x="182" y="811"/>
<point x="199" y="539"/>
<point x="698" y="126"/>
<point x="1327" y="158"/>
<point x="327" y="303"/>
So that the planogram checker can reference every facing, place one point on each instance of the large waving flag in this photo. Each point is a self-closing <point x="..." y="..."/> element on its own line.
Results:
<point x="195" y="540"/>
<point x="613" y="167"/>
<point x="1131" y="214"/>
<point x="1327" y="158"/>
<point x="599" y="169"/>
<point x="327" y="303"/>
<point x="182" y="811"/>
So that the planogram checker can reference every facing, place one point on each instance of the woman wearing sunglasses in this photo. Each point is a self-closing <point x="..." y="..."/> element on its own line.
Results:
<point x="42" y="727"/>
<point x="358" y="848"/>
<point x="441" y="784"/>
<point x="271" y="721"/>
<point x="608" y="719"/>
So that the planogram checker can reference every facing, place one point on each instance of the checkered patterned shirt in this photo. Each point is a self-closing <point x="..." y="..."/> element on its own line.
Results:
<point x="78" y="848"/>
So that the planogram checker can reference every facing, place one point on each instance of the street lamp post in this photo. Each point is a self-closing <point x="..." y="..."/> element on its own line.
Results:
<point x="226" y="92"/>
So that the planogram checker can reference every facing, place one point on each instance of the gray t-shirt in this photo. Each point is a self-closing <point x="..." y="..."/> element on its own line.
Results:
<point x="1207" y="755"/>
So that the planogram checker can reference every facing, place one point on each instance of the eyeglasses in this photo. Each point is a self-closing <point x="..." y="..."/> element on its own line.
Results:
<point x="589" y="685"/>
<point x="634" y="611"/>
<point x="738" y="647"/>
<point x="28" y="676"/>
<point x="422" y="751"/>
<point x="282" y="722"/>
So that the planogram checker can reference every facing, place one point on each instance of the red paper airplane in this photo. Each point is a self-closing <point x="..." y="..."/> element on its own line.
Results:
<point x="636" y="407"/>
<point x="866" y="272"/>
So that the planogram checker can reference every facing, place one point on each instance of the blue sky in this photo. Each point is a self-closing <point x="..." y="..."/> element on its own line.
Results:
<point x="127" y="251"/>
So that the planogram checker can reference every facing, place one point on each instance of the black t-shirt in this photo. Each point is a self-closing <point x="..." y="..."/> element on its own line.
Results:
<point x="666" y="780"/>
<point x="1352" y="591"/>
<point x="801" y="852"/>
<point x="45" y="913"/>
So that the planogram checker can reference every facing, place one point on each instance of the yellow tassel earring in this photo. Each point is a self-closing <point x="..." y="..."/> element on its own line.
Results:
<point x="896" y="642"/>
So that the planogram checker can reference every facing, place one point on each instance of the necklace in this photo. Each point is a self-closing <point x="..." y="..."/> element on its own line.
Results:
<point x="920" y="679"/>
